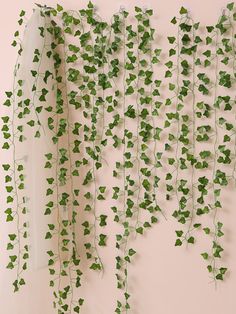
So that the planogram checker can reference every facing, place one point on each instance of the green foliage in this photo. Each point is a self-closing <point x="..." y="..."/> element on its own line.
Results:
<point x="125" y="118"/>
<point x="193" y="196"/>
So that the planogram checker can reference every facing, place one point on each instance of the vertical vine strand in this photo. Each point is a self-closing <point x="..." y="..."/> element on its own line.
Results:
<point x="15" y="173"/>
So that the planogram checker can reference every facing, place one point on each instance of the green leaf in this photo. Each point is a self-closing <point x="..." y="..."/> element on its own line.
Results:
<point x="129" y="90"/>
<point x="9" y="94"/>
<point x="138" y="10"/>
<point x="22" y="282"/>
<point x="174" y="20"/>
<point x="223" y="270"/>
<point x="48" y="235"/>
<point x="88" y="178"/>
<point x="169" y="64"/>
<point x="154" y="220"/>
<point x="146" y="224"/>
<point x="230" y="6"/>
<point x="219" y="277"/>
<point x="179" y="233"/>
<point x="51" y="226"/>
<point x="6" y="167"/>
<point x="7" y="103"/>
<point x="178" y="242"/>
<point x="77" y="309"/>
<point x="191" y="240"/>
<point x="10" y="246"/>
<point x="102" y="240"/>
<point x="183" y="10"/>
<point x="139" y="230"/>
<point x="102" y="189"/>
<point x="103" y="220"/>
<point x="9" y="189"/>
<point x="31" y="123"/>
<point x="12" y="237"/>
<point x="205" y="255"/>
<point x="90" y="69"/>
<point x="172" y="52"/>
<point x="90" y="5"/>
<point x="10" y="265"/>
<point x="59" y="8"/>
<point x="48" y="156"/>
<point x="22" y="13"/>
<point x="9" y="218"/>
<point x="132" y="252"/>
<point x="146" y="184"/>
<point x="130" y="112"/>
<point x="13" y="258"/>
<point x="209" y="267"/>
<point x="171" y="39"/>
<point x="95" y="266"/>
<point x="46" y="76"/>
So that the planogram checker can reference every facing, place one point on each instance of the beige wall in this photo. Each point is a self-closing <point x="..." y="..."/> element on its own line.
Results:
<point x="166" y="280"/>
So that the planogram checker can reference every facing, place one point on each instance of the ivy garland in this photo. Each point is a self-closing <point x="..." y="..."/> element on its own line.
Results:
<point x="108" y="74"/>
<point x="13" y="133"/>
<point x="139" y="161"/>
<point x="219" y="42"/>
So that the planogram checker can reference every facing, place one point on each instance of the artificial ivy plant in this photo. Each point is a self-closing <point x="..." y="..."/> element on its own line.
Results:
<point x="175" y="133"/>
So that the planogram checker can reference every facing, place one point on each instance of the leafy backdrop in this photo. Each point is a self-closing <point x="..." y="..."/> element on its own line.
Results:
<point x="177" y="145"/>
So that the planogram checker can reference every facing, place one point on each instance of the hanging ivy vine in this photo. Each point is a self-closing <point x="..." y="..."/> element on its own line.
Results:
<point x="214" y="50"/>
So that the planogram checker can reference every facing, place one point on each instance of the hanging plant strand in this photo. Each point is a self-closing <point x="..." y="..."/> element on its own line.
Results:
<point x="13" y="135"/>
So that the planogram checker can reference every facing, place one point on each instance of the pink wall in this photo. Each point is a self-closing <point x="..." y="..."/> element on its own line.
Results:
<point x="166" y="280"/>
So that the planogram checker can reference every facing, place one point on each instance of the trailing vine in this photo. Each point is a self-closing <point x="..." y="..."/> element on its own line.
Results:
<point x="224" y="54"/>
<point x="138" y="191"/>
<point x="13" y="134"/>
<point x="201" y="133"/>
<point x="185" y="49"/>
<point x="66" y="171"/>
<point x="94" y="46"/>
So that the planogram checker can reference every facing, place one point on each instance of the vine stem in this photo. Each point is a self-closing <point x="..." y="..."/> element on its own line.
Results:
<point x="15" y="170"/>
<point x="178" y="122"/>
<point x="37" y="76"/>
<point x="233" y="73"/>
<point x="58" y="216"/>
<point x="94" y="211"/>
<point x="72" y="223"/>
<point x="137" y="130"/>
<point x="124" y="150"/>
<point x="215" y="152"/>
<point x="193" y="137"/>
<point x="154" y="126"/>
<point x="95" y="198"/>
<point x="94" y="226"/>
